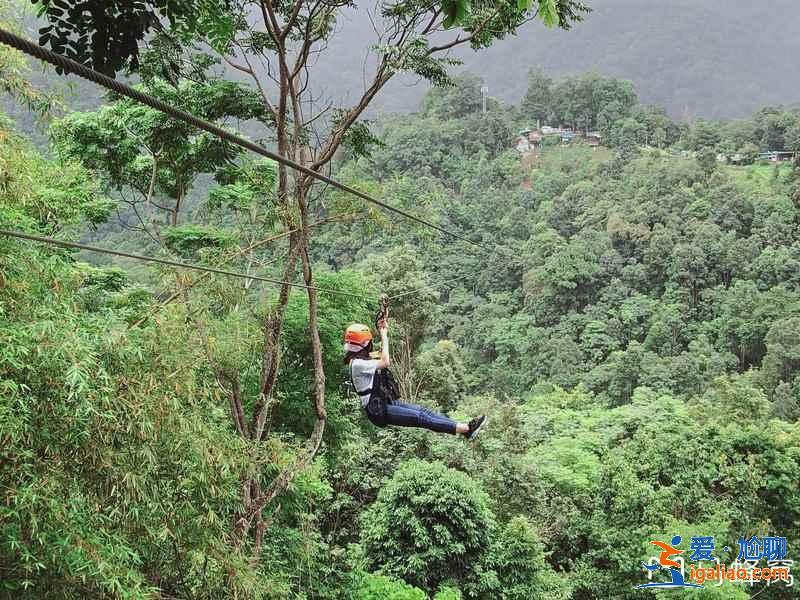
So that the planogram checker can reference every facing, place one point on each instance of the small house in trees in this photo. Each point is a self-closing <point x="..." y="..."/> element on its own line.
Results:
<point x="738" y="159"/>
<point x="594" y="139"/>
<point x="523" y="143"/>
<point x="528" y="141"/>
<point x="567" y="136"/>
<point x="776" y="156"/>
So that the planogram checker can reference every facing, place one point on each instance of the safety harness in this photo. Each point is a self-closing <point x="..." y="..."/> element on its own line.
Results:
<point x="384" y="388"/>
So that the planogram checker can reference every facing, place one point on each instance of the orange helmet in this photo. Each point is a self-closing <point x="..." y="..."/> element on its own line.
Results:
<point x="357" y="337"/>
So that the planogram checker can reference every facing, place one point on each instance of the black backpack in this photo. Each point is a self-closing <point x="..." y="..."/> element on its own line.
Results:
<point x="384" y="391"/>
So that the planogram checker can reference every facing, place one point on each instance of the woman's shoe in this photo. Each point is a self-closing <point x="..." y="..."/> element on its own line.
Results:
<point x="475" y="426"/>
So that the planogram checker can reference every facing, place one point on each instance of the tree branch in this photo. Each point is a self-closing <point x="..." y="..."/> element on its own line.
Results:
<point x="234" y="393"/>
<point x="292" y="18"/>
<point x="252" y="72"/>
<point x="335" y="140"/>
<point x="273" y="325"/>
<point x="459" y="40"/>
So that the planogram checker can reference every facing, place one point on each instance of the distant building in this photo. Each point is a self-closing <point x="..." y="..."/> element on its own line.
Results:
<point x="528" y="141"/>
<point x="776" y="156"/>
<point x="548" y="130"/>
<point x="594" y="139"/>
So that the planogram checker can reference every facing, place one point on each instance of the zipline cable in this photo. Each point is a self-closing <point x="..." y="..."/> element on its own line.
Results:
<point x="71" y="66"/>
<point x="238" y="253"/>
<point x="173" y="263"/>
<point x="433" y="286"/>
<point x="80" y="70"/>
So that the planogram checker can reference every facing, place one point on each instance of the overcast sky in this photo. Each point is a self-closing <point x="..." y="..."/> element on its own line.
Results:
<point x="713" y="58"/>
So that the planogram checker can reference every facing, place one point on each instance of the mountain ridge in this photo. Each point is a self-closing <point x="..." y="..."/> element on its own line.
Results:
<point x="682" y="55"/>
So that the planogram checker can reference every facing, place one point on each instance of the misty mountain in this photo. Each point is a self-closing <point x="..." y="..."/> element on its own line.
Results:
<point x="697" y="58"/>
<point x="708" y="58"/>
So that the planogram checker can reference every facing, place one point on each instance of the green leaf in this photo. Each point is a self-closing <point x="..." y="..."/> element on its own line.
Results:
<point x="462" y="10"/>
<point x="450" y="8"/>
<point x="548" y="10"/>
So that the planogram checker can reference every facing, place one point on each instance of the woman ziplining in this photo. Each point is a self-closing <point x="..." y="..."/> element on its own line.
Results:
<point x="377" y="389"/>
<point x="424" y="418"/>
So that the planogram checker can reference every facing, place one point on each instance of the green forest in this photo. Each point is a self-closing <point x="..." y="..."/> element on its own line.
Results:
<point x="627" y="316"/>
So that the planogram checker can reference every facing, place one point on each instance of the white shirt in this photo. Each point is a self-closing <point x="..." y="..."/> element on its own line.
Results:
<point x="362" y="371"/>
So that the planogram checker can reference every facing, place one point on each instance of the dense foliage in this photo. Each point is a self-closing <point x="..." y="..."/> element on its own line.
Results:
<point x="107" y="36"/>
<point x="592" y="102"/>
<point x="633" y="340"/>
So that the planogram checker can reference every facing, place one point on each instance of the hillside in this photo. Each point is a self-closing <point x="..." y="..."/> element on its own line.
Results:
<point x="712" y="59"/>
<point x="623" y="305"/>
<point x="634" y="344"/>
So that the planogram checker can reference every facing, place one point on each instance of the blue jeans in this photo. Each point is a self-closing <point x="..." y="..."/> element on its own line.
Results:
<point x="412" y="415"/>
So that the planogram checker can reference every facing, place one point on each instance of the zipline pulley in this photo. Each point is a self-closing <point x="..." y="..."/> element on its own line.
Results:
<point x="383" y="310"/>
